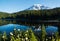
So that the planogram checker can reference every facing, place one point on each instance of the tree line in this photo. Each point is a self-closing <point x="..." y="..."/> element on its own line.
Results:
<point x="47" y="14"/>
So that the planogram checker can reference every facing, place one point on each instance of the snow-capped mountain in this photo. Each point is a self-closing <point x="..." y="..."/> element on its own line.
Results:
<point x="37" y="7"/>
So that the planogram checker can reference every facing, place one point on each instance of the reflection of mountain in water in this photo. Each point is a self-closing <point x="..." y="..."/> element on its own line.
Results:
<point x="10" y="27"/>
<point x="51" y="30"/>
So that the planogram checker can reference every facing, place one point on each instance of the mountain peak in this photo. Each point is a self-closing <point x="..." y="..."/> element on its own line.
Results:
<point x="37" y="7"/>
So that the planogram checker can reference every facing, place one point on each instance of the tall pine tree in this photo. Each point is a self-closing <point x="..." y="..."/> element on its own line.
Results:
<point x="33" y="37"/>
<point x="43" y="33"/>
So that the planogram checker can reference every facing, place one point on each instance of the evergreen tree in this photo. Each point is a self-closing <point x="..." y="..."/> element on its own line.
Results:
<point x="43" y="33"/>
<point x="56" y="35"/>
<point x="32" y="36"/>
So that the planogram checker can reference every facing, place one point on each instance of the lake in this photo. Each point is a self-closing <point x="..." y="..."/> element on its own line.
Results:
<point x="10" y="27"/>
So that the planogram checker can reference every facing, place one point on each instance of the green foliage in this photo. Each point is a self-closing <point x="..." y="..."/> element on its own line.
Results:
<point x="0" y="37"/>
<point x="43" y="32"/>
<point x="28" y="35"/>
<point x="33" y="37"/>
<point x="4" y="36"/>
<point x="56" y="35"/>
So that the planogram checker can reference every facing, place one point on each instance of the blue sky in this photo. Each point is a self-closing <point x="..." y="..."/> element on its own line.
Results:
<point x="18" y="5"/>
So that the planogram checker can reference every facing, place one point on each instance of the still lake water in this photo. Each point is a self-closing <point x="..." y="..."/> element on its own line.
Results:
<point x="9" y="25"/>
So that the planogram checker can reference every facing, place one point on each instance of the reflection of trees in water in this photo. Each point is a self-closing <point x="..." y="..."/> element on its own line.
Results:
<point x="27" y="22"/>
<point x="3" y="22"/>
